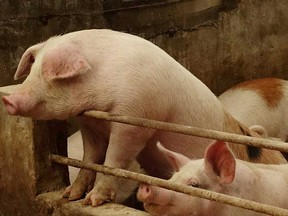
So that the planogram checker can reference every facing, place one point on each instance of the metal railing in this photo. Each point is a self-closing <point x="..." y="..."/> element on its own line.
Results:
<point x="188" y="130"/>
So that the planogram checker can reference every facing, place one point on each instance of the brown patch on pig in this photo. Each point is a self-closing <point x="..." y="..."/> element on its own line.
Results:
<point x="270" y="89"/>
<point x="250" y="153"/>
<point x="239" y="150"/>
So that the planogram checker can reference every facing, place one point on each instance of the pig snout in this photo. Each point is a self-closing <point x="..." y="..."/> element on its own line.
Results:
<point x="144" y="193"/>
<point x="18" y="104"/>
<point x="157" y="201"/>
<point x="153" y="195"/>
<point x="11" y="105"/>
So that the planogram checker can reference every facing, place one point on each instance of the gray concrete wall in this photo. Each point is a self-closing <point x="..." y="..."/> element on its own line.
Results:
<point x="246" y="43"/>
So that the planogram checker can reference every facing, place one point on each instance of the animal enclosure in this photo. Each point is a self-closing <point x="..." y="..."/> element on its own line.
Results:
<point x="48" y="176"/>
<point x="220" y="42"/>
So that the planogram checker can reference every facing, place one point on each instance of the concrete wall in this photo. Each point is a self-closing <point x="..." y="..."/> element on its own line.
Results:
<point x="246" y="43"/>
<point x="246" y="40"/>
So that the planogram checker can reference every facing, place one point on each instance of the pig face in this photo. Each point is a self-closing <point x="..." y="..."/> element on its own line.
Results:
<point x="54" y="72"/>
<point x="214" y="172"/>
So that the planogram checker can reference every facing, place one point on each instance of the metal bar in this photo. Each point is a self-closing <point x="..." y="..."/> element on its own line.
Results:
<point x="201" y="193"/>
<point x="189" y="130"/>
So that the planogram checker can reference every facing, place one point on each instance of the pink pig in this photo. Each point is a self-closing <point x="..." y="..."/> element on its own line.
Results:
<point x="263" y="102"/>
<point x="219" y="171"/>
<point x="127" y="75"/>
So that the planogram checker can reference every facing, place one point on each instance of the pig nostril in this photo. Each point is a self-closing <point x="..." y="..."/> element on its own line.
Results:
<point x="147" y="190"/>
<point x="5" y="100"/>
<point x="10" y="106"/>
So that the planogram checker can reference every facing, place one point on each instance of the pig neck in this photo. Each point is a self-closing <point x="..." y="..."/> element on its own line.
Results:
<point x="256" y="182"/>
<point x="233" y="126"/>
<point x="267" y="182"/>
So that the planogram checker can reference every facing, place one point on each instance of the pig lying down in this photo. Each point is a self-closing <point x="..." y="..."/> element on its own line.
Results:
<point x="219" y="171"/>
<point x="263" y="102"/>
<point x="127" y="75"/>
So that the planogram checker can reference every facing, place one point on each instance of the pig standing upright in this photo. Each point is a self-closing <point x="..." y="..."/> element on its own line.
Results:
<point x="220" y="172"/>
<point x="263" y="102"/>
<point x="123" y="74"/>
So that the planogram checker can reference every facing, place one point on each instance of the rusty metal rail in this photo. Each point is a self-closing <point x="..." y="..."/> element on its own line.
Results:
<point x="201" y="193"/>
<point x="189" y="130"/>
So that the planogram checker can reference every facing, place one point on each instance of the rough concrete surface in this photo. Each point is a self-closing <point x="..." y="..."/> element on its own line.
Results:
<point x="61" y="207"/>
<point x="245" y="43"/>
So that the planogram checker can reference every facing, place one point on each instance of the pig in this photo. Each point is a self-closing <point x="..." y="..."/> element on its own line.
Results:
<point x="123" y="74"/>
<point x="220" y="172"/>
<point x="261" y="101"/>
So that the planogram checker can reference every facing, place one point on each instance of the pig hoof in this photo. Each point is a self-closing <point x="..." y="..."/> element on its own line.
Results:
<point x="96" y="199"/>
<point x="67" y="192"/>
<point x="75" y="192"/>
<point x="84" y="183"/>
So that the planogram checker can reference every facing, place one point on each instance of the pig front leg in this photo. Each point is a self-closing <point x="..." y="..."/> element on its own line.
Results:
<point x="124" y="145"/>
<point x="94" y="152"/>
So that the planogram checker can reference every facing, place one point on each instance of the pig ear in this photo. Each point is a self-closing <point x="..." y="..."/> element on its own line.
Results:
<point x="27" y="61"/>
<point x="259" y="130"/>
<point x="62" y="62"/>
<point x="220" y="162"/>
<point x="177" y="160"/>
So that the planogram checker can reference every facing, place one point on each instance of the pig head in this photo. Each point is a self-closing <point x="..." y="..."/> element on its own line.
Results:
<point x="220" y="172"/>
<point x="47" y="66"/>
<point x="214" y="172"/>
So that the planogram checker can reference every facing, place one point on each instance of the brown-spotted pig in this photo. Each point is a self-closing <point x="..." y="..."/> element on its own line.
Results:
<point x="263" y="102"/>
<point x="124" y="74"/>
<point x="220" y="172"/>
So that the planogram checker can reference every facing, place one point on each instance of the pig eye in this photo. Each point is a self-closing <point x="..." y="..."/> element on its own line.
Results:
<point x="193" y="183"/>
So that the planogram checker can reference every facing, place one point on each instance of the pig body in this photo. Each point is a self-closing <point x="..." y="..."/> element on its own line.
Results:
<point x="263" y="102"/>
<point x="219" y="171"/>
<point x="123" y="74"/>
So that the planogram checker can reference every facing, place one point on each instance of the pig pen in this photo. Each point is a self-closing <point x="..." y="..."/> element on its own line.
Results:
<point x="221" y="42"/>
<point x="44" y="141"/>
